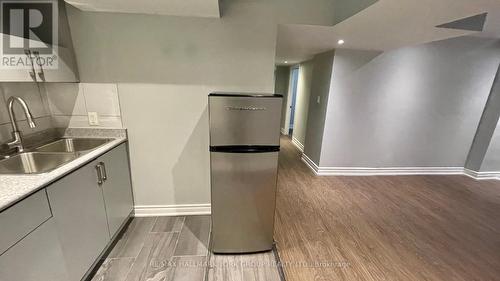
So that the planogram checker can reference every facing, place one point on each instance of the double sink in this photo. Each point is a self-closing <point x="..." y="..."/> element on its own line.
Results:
<point x="50" y="156"/>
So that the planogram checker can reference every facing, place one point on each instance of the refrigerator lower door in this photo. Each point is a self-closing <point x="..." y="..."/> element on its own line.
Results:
<point x="243" y="201"/>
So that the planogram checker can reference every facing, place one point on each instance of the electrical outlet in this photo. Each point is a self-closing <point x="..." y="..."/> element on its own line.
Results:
<point x="93" y="119"/>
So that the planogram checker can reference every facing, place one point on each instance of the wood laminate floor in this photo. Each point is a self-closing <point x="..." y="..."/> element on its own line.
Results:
<point x="385" y="227"/>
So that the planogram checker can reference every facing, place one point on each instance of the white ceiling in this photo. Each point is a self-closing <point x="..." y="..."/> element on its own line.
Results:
<point x="194" y="8"/>
<point x="385" y="25"/>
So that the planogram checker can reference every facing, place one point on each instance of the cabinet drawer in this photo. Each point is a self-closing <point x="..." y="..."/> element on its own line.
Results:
<point x="37" y="257"/>
<point x="22" y="218"/>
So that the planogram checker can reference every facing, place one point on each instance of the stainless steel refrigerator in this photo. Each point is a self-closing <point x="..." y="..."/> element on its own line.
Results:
<point x="244" y="146"/>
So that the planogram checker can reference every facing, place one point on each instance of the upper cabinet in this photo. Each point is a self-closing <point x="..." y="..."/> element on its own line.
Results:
<point x="36" y="44"/>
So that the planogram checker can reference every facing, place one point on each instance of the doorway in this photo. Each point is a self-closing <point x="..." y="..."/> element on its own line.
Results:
<point x="294" y="81"/>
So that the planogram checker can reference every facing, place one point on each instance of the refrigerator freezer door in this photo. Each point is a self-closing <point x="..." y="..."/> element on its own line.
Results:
<point x="244" y="120"/>
<point x="243" y="201"/>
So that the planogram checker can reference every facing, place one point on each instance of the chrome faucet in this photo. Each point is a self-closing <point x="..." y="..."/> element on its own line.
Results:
<point x="17" y="141"/>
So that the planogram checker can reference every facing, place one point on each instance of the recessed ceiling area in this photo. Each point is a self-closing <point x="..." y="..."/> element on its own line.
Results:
<point x="385" y="25"/>
<point x="193" y="8"/>
<point x="344" y="9"/>
<point x="474" y="23"/>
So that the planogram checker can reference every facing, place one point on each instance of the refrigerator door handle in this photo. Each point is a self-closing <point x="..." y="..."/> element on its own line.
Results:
<point x="245" y="148"/>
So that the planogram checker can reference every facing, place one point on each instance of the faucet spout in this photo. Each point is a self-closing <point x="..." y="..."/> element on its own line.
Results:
<point x="27" y="112"/>
<point x="17" y="141"/>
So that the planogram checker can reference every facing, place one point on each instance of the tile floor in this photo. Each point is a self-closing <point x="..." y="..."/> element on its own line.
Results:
<point x="176" y="249"/>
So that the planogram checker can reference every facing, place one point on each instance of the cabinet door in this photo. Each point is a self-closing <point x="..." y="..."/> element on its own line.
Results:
<point x="16" y="68"/>
<point x="117" y="188"/>
<point x="36" y="257"/>
<point x="78" y="209"/>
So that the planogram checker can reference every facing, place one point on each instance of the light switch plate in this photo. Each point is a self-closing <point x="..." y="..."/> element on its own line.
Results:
<point x="318" y="99"/>
<point x="93" y="118"/>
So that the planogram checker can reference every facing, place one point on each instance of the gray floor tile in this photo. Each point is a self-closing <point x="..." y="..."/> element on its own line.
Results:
<point x="114" y="269"/>
<point x="193" y="238"/>
<point x="168" y="224"/>
<point x="249" y="267"/>
<point x="260" y="266"/>
<point x="186" y="269"/>
<point x="225" y="268"/>
<point x="132" y="241"/>
<point x="153" y="260"/>
<point x="152" y="255"/>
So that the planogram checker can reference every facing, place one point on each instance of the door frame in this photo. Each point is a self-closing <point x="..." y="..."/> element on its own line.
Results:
<point x="285" y="131"/>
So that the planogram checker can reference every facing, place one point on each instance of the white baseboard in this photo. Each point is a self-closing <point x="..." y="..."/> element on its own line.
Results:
<point x="284" y="132"/>
<point x="396" y="171"/>
<point x="310" y="164"/>
<point x="172" y="210"/>
<point x="482" y="175"/>
<point x="298" y="144"/>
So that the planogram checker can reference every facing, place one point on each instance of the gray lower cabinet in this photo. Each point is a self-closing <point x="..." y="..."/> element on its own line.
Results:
<point x="22" y="218"/>
<point x="117" y="187"/>
<point x="78" y="209"/>
<point x="37" y="257"/>
<point x="62" y="241"/>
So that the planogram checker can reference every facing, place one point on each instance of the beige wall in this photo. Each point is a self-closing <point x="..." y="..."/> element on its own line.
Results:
<point x="168" y="129"/>
<point x="165" y="67"/>
<point x="168" y="134"/>
<point x="131" y="48"/>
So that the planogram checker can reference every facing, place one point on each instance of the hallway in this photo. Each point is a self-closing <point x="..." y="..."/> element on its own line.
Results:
<point x="385" y="227"/>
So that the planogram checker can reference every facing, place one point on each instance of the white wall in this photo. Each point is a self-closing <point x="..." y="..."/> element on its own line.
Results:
<point x="318" y="102"/>
<point x="485" y="151"/>
<point x="491" y="162"/>
<point x="412" y="107"/>
<point x="486" y="129"/>
<point x="302" y="102"/>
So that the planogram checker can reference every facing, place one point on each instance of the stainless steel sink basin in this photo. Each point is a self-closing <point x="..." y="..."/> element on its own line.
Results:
<point x="72" y="145"/>
<point x="34" y="162"/>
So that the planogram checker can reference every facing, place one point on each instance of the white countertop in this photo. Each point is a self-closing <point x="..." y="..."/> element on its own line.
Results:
<point x="14" y="188"/>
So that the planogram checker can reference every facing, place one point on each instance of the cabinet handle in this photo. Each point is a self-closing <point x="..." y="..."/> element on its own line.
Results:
<point x="98" y="169"/>
<point x="104" y="173"/>
<point x="38" y="61"/>
<point x="32" y="72"/>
